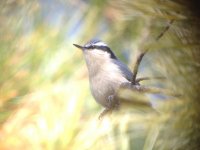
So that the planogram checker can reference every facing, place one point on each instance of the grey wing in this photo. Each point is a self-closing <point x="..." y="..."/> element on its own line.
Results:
<point x="124" y="69"/>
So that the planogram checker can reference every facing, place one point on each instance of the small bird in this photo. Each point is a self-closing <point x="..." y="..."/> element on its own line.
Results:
<point x="106" y="73"/>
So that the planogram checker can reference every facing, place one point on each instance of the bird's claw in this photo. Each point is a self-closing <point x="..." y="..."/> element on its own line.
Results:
<point x="104" y="112"/>
<point x="112" y="104"/>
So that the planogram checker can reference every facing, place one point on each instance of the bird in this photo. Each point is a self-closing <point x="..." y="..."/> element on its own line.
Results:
<point x="106" y="72"/>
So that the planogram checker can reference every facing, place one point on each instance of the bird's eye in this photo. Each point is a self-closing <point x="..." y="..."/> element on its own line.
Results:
<point x="92" y="46"/>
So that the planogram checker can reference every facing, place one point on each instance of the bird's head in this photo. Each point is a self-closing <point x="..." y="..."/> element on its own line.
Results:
<point x="97" y="48"/>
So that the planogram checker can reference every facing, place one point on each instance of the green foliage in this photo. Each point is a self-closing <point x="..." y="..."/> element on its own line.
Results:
<point x="45" y="101"/>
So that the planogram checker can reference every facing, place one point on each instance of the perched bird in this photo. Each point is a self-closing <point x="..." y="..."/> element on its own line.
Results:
<point x="106" y="73"/>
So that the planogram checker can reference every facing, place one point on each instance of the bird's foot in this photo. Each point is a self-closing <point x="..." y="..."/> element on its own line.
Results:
<point x="105" y="112"/>
<point x="113" y="103"/>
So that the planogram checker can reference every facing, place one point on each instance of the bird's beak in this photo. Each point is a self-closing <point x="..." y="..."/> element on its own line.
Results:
<point x="78" y="46"/>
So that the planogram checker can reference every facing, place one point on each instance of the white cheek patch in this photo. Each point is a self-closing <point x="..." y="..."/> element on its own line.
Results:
<point x="100" y="53"/>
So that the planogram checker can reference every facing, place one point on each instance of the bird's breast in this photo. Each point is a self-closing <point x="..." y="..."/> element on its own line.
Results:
<point x="105" y="82"/>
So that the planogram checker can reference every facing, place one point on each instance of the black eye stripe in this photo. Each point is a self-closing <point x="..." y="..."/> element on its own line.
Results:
<point x="103" y="48"/>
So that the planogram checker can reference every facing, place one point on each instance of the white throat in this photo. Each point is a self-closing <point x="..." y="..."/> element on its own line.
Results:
<point x="99" y="63"/>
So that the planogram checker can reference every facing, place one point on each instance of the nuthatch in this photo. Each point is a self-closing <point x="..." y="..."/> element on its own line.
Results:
<point x="106" y="73"/>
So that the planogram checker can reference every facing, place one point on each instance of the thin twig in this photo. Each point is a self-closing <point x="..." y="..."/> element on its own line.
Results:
<point x="137" y="63"/>
<point x="141" y="55"/>
<point x="165" y="30"/>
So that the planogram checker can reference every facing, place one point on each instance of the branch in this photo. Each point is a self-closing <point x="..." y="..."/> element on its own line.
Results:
<point x="165" y="30"/>
<point x="141" y="55"/>
<point x="135" y="69"/>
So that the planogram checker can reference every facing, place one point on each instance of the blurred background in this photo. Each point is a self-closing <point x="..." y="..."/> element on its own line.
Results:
<point x="45" y="102"/>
